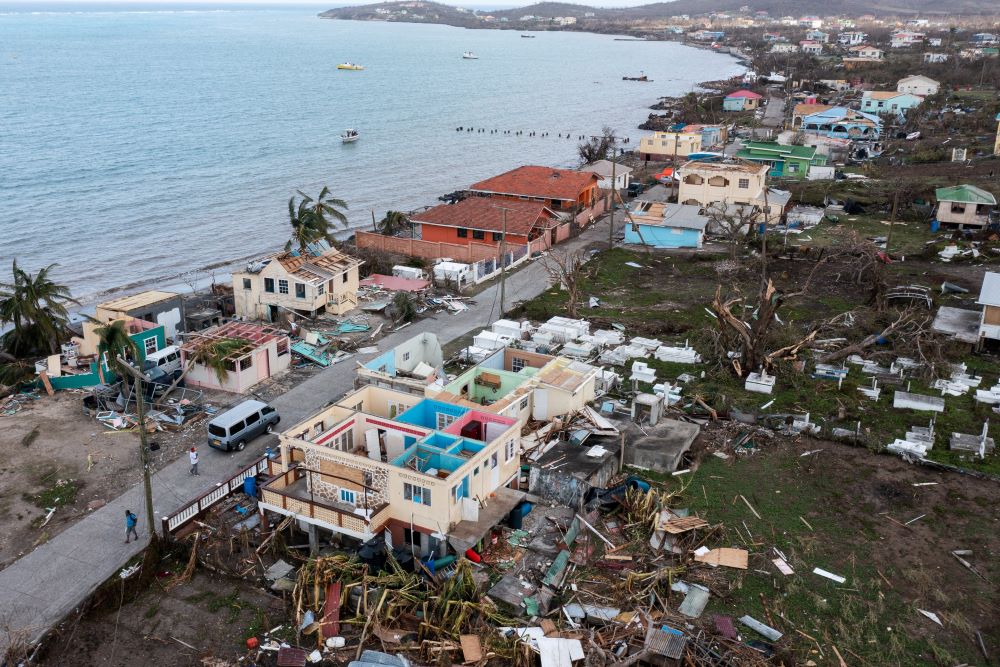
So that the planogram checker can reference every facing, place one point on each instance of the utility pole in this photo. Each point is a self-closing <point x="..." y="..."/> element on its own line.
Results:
<point x="503" y="257"/>
<point x="614" y="185"/>
<point x="143" y="445"/>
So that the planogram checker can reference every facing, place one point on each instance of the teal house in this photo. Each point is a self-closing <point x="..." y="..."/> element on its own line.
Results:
<point x="786" y="161"/>
<point x="889" y="102"/>
<point x="148" y="338"/>
<point x="662" y="225"/>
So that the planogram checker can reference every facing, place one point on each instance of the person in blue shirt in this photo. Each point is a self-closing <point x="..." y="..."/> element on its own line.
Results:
<point x="130" y="521"/>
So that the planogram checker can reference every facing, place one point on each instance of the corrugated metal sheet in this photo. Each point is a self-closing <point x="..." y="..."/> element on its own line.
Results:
<point x="667" y="644"/>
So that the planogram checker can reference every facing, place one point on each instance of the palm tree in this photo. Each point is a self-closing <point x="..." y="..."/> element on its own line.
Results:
<point x="393" y="223"/>
<point x="114" y="341"/>
<point x="213" y="355"/>
<point x="310" y="218"/>
<point x="36" y="307"/>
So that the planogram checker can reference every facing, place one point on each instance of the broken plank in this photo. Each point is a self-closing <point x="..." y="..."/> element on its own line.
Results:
<point x="725" y="556"/>
<point x="330" y="626"/>
<point x="683" y="524"/>
<point x="472" y="648"/>
<point x="750" y="506"/>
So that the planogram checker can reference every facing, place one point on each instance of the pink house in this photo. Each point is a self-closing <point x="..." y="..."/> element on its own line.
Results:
<point x="741" y="100"/>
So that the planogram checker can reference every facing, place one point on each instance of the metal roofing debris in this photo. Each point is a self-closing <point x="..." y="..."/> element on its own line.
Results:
<point x="829" y="575"/>
<point x="695" y="601"/>
<point x="765" y="630"/>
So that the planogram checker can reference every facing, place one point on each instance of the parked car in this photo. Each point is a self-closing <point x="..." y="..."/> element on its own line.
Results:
<point x="238" y="425"/>
<point x="167" y="359"/>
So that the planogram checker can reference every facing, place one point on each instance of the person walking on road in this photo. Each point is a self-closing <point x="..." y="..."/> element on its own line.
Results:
<point x="130" y="523"/>
<point x="193" y="455"/>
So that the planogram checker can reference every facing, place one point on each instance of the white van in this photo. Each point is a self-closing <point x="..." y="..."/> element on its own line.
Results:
<point x="167" y="360"/>
<point x="240" y="424"/>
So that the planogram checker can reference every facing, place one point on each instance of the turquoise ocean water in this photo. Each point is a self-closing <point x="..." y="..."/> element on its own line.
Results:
<point x="137" y="146"/>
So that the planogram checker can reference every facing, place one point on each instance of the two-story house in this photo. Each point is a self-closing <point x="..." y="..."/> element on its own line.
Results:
<point x="738" y="183"/>
<point x="560" y="190"/>
<point x="666" y="145"/>
<point x="421" y="472"/>
<point x="964" y="206"/>
<point x="320" y="280"/>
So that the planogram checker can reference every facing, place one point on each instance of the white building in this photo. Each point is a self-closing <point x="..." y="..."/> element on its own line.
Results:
<point x="853" y="38"/>
<point x="603" y="168"/>
<point x="918" y="84"/>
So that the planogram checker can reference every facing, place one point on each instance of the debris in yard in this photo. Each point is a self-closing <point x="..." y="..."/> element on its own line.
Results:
<point x="829" y="575"/>
<point x="760" y="628"/>
<point x="931" y="615"/>
<point x="736" y="558"/>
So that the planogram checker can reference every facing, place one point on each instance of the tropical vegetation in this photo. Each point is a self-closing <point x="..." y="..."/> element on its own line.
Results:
<point x="35" y="308"/>
<point x="311" y="219"/>
<point x="393" y="223"/>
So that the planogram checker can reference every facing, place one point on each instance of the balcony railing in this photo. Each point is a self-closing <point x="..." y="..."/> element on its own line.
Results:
<point x="288" y="491"/>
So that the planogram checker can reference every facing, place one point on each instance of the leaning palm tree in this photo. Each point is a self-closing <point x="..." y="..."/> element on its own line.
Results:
<point x="393" y="223"/>
<point x="35" y="306"/>
<point x="213" y="355"/>
<point x="310" y="218"/>
<point x="114" y="342"/>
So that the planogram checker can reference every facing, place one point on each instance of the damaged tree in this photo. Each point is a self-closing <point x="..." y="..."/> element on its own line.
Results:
<point x="566" y="269"/>
<point x="752" y="340"/>
<point x="733" y="223"/>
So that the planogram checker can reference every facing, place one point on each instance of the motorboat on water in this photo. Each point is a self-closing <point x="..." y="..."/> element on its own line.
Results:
<point x="349" y="136"/>
<point x="469" y="55"/>
<point x="527" y="36"/>
<point x="350" y="66"/>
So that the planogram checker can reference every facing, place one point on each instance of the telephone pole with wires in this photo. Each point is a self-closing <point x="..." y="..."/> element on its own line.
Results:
<point x="503" y="257"/>
<point x="138" y="379"/>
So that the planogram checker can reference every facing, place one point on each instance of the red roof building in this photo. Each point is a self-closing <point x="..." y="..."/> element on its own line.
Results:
<point x="481" y="220"/>
<point x="748" y="94"/>
<point x="557" y="189"/>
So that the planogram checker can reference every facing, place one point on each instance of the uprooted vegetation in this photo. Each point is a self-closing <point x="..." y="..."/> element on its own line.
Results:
<point x="828" y="301"/>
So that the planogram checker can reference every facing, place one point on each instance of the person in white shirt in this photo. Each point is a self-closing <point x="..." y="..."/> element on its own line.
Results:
<point x="193" y="455"/>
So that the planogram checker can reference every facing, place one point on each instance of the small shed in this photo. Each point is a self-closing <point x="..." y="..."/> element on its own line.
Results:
<point x="253" y="354"/>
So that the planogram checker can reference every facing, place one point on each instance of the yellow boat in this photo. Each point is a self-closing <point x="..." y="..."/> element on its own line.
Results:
<point x="350" y="66"/>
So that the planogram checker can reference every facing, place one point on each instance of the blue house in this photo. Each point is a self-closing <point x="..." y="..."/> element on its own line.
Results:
<point x="662" y="225"/>
<point x="884" y="102"/>
<point x="843" y="123"/>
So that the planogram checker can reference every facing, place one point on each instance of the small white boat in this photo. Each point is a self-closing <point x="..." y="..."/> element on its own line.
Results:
<point x="469" y="55"/>
<point x="349" y="136"/>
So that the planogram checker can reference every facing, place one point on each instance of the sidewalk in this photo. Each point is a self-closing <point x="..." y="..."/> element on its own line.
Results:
<point x="42" y="587"/>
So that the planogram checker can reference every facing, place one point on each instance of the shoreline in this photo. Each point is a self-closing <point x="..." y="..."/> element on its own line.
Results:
<point x="191" y="280"/>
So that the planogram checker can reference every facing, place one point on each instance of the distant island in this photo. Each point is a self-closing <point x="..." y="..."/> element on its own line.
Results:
<point x="640" y="19"/>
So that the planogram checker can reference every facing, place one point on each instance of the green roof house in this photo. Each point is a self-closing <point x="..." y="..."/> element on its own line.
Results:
<point x="786" y="161"/>
<point x="964" y="206"/>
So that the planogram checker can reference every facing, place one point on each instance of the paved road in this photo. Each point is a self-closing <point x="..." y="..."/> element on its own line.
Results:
<point x="42" y="587"/>
<point x="774" y="112"/>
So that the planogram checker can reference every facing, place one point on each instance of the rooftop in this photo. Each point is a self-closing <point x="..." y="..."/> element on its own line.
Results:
<point x="603" y="168"/>
<point x="748" y="94"/>
<point x="488" y="215"/>
<point x="989" y="295"/>
<point x="809" y="109"/>
<point x="968" y="194"/>
<point x="319" y="263"/>
<point x="134" y="301"/>
<point x="534" y="181"/>
<point x="256" y="335"/>
<point x="724" y="167"/>
<point x="883" y="94"/>
<point x="752" y="148"/>
<point x="680" y="216"/>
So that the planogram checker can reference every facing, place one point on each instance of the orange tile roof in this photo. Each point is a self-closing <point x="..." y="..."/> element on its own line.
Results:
<point x="487" y="214"/>
<point x="542" y="182"/>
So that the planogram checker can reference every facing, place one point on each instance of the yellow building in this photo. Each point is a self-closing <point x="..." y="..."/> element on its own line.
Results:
<point x="665" y="145"/>
<point x="154" y="306"/>
<point x="420" y="472"/>
<point x="321" y="280"/>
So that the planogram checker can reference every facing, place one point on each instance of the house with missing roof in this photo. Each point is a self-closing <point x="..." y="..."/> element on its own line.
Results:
<point x="964" y="206"/>
<point x="423" y="473"/>
<point x="483" y="221"/>
<point x="321" y="280"/>
<point x="785" y="161"/>
<point x="731" y="184"/>
<point x="664" y="225"/>
<point x="409" y="367"/>
<point x="263" y="352"/>
<point x="741" y="100"/>
<point x="884" y="102"/>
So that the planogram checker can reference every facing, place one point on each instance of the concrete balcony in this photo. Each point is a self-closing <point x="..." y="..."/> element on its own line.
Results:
<point x="288" y="493"/>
